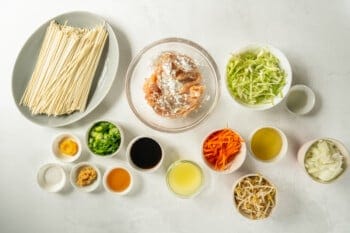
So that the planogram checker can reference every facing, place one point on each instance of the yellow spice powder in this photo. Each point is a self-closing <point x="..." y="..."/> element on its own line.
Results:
<point x="67" y="146"/>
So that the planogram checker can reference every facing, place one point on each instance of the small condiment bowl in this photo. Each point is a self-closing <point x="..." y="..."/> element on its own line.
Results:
<point x="300" y="99"/>
<point x="121" y="131"/>
<point x="303" y="150"/>
<point x="51" y="177"/>
<point x="283" y="149"/>
<point x="109" y="189"/>
<point x="234" y="199"/>
<point x="137" y="168"/>
<point x="238" y="160"/>
<point x="75" y="172"/>
<point x="61" y="156"/>
<point x="284" y="64"/>
<point x="175" y="165"/>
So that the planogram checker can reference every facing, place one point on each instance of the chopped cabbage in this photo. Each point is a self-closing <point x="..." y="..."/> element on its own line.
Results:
<point x="324" y="160"/>
<point x="255" y="77"/>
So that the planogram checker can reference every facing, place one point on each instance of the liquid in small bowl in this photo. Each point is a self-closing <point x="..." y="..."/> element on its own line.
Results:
<point x="118" y="180"/>
<point x="268" y="144"/>
<point x="300" y="99"/>
<point x="185" y="178"/>
<point x="145" y="154"/>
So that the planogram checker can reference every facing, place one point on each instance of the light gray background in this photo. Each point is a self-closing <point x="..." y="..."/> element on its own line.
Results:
<point x="315" y="37"/>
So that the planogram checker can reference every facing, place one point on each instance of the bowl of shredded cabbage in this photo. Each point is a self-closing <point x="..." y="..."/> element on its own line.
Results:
<point x="258" y="76"/>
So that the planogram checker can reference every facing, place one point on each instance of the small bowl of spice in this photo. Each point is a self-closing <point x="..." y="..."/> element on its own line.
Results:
<point x="224" y="151"/>
<point x="118" y="180"/>
<point x="254" y="196"/>
<point x="145" y="154"/>
<point x="324" y="159"/>
<point x="85" y="177"/>
<point x="104" y="138"/>
<point x="66" y="147"/>
<point x="52" y="177"/>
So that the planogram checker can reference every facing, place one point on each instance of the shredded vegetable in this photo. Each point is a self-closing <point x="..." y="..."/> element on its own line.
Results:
<point x="324" y="160"/>
<point x="221" y="147"/>
<point x="255" y="197"/>
<point x="255" y="77"/>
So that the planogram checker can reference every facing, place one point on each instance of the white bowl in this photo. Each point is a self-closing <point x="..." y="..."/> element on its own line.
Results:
<point x="128" y="189"/>
<point x="60" y="156"/>
<point x="283" y="150"/>
<point x="236" y="163"/>
<point x="305" y="148"/>
<point x="134" y="166"/>
<point x="121" y="139"/>
<point x="74" y="174"/>
<point x="284" y="64"/>
<point x="234" y="200"/>
<point x="300" y="99"/>
<point x="51" y="177"/>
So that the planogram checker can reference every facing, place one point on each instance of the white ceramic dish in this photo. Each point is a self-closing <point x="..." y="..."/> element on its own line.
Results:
<point x="305" y="148"/>
<point x="55" y="148"/>
<point x="300" y="99"/>
<point x="51" y="177"/>
<point x="140" y="69"/>
<point x="103" y="79"/>
<point x="124" y="192"/>
<point x="236" y="162"/>
<point x="122" y="138"/>
<point x="234" y="200"/>
<point x="284" y="64"/>
<point x="134" y="166"/>
<point x="74" y="173"/>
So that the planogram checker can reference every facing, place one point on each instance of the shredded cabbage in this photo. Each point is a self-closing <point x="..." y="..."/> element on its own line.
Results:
<point x="324" y="160"/>
<point x="255" y="77"/>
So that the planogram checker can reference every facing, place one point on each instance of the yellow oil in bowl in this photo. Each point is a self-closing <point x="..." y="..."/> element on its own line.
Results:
<point x="266" y="144"/>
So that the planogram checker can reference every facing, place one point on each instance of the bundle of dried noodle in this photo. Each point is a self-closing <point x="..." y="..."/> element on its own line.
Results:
<point x="63" y="74"/>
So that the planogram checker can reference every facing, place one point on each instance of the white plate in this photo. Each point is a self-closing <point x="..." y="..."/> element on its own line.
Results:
<point x="103" y="79"/>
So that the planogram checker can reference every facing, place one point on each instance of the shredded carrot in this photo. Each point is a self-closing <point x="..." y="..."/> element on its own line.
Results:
<point x="221" y="147"/>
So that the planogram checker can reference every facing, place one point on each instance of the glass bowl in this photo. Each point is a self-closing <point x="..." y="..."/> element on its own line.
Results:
<point x="185" y="178"/>
<point x="141" y="69"/>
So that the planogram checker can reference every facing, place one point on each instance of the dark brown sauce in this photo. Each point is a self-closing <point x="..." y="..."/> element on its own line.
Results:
<point x="145" y="153"/>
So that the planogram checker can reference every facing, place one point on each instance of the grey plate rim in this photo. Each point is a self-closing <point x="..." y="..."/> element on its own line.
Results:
<point x="97" y="96"/>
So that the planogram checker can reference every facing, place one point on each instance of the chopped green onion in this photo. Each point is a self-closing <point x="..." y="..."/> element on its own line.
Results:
<point x="104" y="138"/>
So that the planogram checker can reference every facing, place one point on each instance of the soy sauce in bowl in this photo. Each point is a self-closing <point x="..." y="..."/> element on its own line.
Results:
<point x="145" y="154"/>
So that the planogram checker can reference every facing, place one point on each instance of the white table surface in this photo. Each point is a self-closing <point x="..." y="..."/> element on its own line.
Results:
<point x="315" y="37"/>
